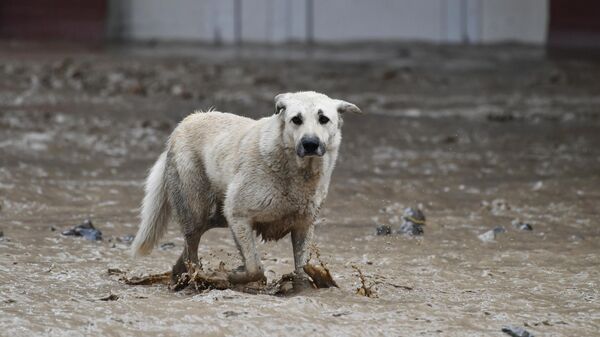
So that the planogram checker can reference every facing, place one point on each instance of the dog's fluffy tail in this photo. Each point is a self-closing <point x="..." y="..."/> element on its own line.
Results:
<point x="155" y="212"/>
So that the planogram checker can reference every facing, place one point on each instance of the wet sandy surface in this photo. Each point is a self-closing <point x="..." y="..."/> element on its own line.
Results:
<point x="478" y="137"/>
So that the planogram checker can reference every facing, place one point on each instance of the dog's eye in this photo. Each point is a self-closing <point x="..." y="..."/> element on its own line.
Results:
<point x="297" y="120"/>
<point x="323" y="119"/>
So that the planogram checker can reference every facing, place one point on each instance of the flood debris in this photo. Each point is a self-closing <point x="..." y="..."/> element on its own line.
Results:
<point x="516" y="331"/>
<point x="166" y="246"/>
<point x="199" y="279"/>
<point x="364" y="290"/>
<point x="319" y="274"/>
<point x="146" y="280"/>
<point x="490" y="236"/>
<point x="85" y="229"/>
<point x="110" y="297"/>
<point x="127" y="239"/>
<point x="524" y="226"/>
<point x="383" y="230"/>
<point x="413" y="221"/>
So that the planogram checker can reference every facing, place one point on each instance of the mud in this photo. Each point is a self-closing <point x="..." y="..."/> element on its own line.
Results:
<point x="476" y="137"/>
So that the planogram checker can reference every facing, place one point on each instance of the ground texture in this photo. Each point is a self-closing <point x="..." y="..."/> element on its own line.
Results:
<point x="478" y="137"/>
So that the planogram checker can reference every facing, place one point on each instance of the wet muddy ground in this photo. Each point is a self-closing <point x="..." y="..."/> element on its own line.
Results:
<point x="478" y="137"/>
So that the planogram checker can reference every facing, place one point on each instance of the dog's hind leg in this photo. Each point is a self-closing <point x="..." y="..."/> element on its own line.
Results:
<point x="190" y="200"/>
<point x="188" y="256"/>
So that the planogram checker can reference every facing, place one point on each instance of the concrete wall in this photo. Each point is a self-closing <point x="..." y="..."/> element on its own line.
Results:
<point x="277" y="21"/>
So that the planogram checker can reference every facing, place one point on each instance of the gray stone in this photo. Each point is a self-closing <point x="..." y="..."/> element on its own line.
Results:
<point x="516" y="331"/>
<point x="490" y="235"/>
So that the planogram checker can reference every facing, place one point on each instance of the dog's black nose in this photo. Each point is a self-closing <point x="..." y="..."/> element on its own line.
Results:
<point x="310" y="145"/>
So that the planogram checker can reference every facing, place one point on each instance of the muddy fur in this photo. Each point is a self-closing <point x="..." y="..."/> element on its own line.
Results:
<point x="264" y="177"/>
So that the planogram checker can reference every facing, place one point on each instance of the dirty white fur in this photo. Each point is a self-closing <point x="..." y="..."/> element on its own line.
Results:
<point x="254" y="176"/>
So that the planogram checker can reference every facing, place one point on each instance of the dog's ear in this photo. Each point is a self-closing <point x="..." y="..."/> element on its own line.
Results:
<point x="280" y="102"/>
<point x="344" y="107"/>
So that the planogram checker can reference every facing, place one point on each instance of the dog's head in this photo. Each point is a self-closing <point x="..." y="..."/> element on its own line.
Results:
<point x="311" y="121"/>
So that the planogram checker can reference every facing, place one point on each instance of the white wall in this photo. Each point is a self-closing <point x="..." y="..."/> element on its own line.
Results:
<point x="276" y="21"/>
<point x="350" y="20"/>
<point x="521" y="20"/>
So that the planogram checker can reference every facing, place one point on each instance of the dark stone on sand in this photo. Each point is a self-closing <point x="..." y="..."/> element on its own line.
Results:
<point x="411" y="228"/>
<point x="490" y="235"/>
<point x="126" y="238"/>
<point x="85" y="229"/>
<point x="1" y="234"/>
<point x="516" y="331"/>
<point x="384" y="230"/>
<point x="413" y="221"/>
<point x="522" y="225"/>
<point x="167" y="245"/>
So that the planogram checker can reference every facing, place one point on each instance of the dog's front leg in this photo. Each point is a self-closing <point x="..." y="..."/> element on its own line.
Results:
<point x="244" y="239"/>
<point x="301" y="240"/>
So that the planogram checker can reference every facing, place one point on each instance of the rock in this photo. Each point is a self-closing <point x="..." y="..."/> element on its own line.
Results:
<point x="167" y="245"/>
<point x="413" y="221"/>
<point x="85" y="229"/>
<point x="126" y="239"/>
<point x="110" y="297"/>
<point x="490" y="235"/>
<point x="522" y="225"/>
<point x="1" y="234"/>
<point x="384" y="230"/>
<point x="411" y="228"/>
<point x="516" y="331"/>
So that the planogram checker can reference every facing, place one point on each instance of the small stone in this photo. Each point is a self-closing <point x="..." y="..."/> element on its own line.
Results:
<point x="415" y="215"/>
<point x="384" y="230"/>
<point x="85" y="229"/>
<point x="167" y="245"/>
<point x="522" y="225"/>
<point x="126" y="239"/>
<point x="516" y="331"/>
<point x="110" y="297"/>
<point x="413" y="221"/>
<point x="490" y="235"/>
<point x="410" y="228"/>
<point x="1" y="234"/>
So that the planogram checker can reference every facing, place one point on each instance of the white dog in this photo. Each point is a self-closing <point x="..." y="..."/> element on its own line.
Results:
<point x="268" y="176"/>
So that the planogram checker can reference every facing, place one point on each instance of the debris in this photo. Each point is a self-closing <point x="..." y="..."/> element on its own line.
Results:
<point x="164" y="278"/>
<point x="115" y="271"/>
<point x="364" y="290"/>
<point x="199" y="279"/>
<point x="413" y="221"/>
<point x="319" y="274"/>
<point x="167" y="246"/>
<point x="85" y="229"/>
<point x="490" y="235"/>
<point x="522" y="225"/>
<point x="516" y="331"/>
<point x="128" y="239"/>
<point x="111" y="297"/>
<point x="384" y="230"/>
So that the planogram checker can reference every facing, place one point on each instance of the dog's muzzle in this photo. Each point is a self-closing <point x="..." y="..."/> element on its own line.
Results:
<point x="310" y="146"/>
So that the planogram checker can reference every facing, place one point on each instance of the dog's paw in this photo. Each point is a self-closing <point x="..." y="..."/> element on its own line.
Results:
<point x="242" y="276"/>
